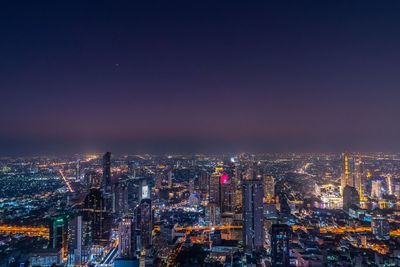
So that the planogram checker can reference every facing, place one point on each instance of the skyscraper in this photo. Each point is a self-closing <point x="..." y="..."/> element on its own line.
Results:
<point x="78" y="170"/>
<point x="97" y="216"/>
<point x="347" y="175"/>
<point x="253" y="225"/>
<point x="79" y="241"/>
<point x="280" y="236"/>
<point x="127" y="238"/>
<point x="59" y="234"/>
<point x="145" y="223"/>
<point x="350" y="197"/>
<point x="269" y="188"/>
<point x="106" y="183"/>
<point x="376" y="189"/>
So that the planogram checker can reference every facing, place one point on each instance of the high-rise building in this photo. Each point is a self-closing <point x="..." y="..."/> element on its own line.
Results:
<point x="280" y="237"/>
<point x="127" y="238"/>
<point x="269" y="188"/>
<point x="78" y="170"/>
<point x="145" y="223"/>
<point x="381" y="228"/>
<point x="79" y="241"/>
<point x="120" y="197"/>
<point x="253" y="224"/>
<point x="227" y="195"/>
<point x="97" y="216"/>
<point x="214" y="189"/>
<point x="213" y="214"/>
<point x="376" y="189"/>
<point x="92" y="179"/>
<point x="106" y="183"/>
<point x="350" y="197"/>
<point x="170" y="175"/>
<point x="59" y="234"/>
<point x="347" y="173"/>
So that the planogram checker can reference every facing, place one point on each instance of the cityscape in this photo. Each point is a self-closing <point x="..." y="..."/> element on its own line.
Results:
<point x="201" y="210"/>
<point x="206" y="133"/>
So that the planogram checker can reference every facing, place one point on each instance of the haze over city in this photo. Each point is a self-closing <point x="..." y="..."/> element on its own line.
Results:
<point x="296" y="75"/>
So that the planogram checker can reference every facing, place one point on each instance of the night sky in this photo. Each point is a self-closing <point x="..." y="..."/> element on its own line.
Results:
<point x="119" y="75"/>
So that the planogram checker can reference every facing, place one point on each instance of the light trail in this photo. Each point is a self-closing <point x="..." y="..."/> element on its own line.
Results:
<point x="66" y="181"/>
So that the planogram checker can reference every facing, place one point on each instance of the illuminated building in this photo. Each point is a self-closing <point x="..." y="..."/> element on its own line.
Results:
<point x="269" y="188"/>
<point x="99" y="218"/>
<point x="145" y="223"/>
<point x="381" y="228"/>
<point x="330" y="197"/>
<point x="106" y="183"/>
<point x="226" y="193"/>
<point x="376" y="189"/>
<point x="350" y="197"/>
<point x="79" y="241"/>
<point x="214" y="189"/>
<point x="253" y="224"/>
<point x="127" y="238"/>
<point x="170" y="174"/>
<point x="213" y="214"/>
<point x="59" y="234"/>
<point x="92" y="179"/>
<point x="348" y="168"/>
<point x="78" y="170"/>
<point x="280" y="237"/>
<point x="120" y="198"/>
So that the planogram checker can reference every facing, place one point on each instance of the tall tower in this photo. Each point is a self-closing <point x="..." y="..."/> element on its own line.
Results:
<point x="106" y="183"/>
<point x="78" y="170"/>
<point x="280" y="236"/>
<point x="347" y="176"/>
<point x="97" y="216"/>
<point x="269" y="188"/>
<point x="145" y="221"/>
<point x="59" y="234"/>
<point x="253" y="223"/>
<point x="127" y="240"/>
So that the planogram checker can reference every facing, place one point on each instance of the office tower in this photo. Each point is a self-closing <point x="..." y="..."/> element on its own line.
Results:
<point x="253" y="224"/>
<point x="376" y="189"/>
<point x="280" y="236"/>
<point x="120" y="197"/>
<point x="381" y="228"/>
<point x="214" y="189"/>
<point x="358" y="170"/>
<point x="145" y="223"/>
<point x="78" y="170"/>
<point x="158" y="181"/>
<point x="97" y="216"/>
<point x="226" y="193"/>
<point x="213" y="213"/>
<point x="59" y="234"/>
<point x="350" y="197"/>
<point x="347" y="175"/>
<point x="92" y="180"/>
<point x="127" y="238"/>
<point x="269" y="188"/>
<point x="106" y="183"/>
<point x="79" y="241"/>
<point x="204" y="183"/>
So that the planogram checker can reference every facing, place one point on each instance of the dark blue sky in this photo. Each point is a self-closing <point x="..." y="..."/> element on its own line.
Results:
<point x="115" y="74"/>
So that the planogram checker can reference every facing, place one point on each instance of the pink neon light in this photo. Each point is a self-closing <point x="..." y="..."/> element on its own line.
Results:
<point x="224" y="178"/>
